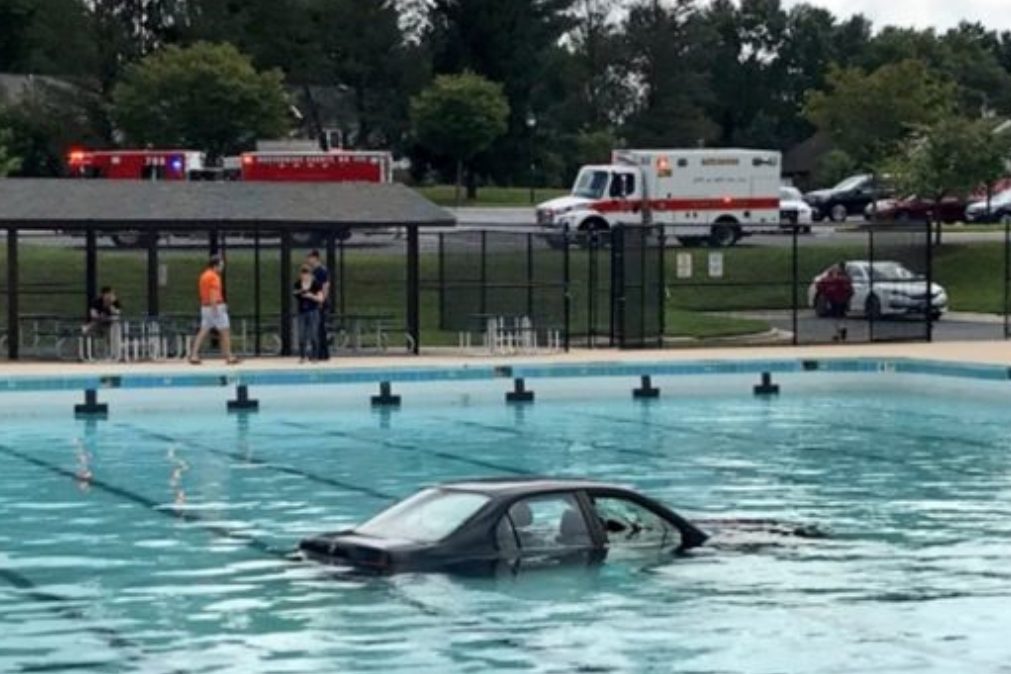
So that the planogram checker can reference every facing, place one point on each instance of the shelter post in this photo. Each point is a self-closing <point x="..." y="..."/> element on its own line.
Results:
<point x="90" y="264"/>
<point x="152" y="275"/>
<point x="413" y="290"/>
<point x="13" y="328"/>
<point x="285" y="292"/>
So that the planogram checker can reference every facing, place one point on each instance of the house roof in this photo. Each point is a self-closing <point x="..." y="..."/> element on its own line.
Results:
<point x="76" y="203"/>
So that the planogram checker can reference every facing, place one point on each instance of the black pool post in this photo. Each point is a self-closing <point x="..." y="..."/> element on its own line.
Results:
<point x="794" y="280"/>
<point x="285" y="292"/>
<point x="152" y="274"/>
<point x="13" y="329"/>
<point x="413" y="290"/>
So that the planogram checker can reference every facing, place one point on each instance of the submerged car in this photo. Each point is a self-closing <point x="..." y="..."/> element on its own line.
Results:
<point x="884" y="288"/>
<point x="487" y="526"/>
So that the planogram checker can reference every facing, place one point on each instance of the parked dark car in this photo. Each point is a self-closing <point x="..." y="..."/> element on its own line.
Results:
<point x="850" y="197"/>
<point x="487" y="526"/>
<point x="915" y="209"/>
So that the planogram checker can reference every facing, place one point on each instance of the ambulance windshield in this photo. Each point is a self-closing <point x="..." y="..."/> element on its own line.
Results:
<point x="591" y="184"/>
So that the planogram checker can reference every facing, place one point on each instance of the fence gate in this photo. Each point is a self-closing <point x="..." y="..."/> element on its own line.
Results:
<point x="637" y="286"/>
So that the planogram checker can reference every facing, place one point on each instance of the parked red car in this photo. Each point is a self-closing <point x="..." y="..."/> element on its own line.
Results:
<point x="913" y="208"/>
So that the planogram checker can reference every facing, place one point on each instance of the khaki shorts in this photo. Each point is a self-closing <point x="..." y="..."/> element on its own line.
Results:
<point x="214" y="317"/>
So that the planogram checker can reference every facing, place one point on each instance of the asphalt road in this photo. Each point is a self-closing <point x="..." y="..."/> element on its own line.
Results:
<point x="952" y="328"/>
<point x="520" y="220"/>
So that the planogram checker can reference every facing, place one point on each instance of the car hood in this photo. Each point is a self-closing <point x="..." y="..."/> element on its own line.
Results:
<point x="918" y="287"/>
<point x="564" y="204"/>
<point x="818" y="195"/>
<point x="793" y="204"/>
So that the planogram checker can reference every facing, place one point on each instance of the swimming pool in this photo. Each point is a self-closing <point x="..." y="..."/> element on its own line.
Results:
<point x="171" y="558"/>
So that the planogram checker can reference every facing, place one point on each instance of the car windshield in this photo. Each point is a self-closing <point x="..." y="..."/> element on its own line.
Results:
<point x="891" y="271"/>
<point x="789" y="194"/>
<point x="427" y="517"/>
<point x="591" y="184"/>
<point x="850" y="184"/>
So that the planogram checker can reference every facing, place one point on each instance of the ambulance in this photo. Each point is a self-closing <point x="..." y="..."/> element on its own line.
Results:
<point x="715" y="197"/>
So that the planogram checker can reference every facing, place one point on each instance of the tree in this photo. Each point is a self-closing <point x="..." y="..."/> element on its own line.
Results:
<point x="207" y="97"/>
<point x="954" y="156"/>
<point x="664" y="55"/>
<point x="511" y="42"/>
<point x="45" y="123"/>
<point x="869" y="115"/>
<point x="9" y="163"/>
<point x="459" y="117"/>
<point x="361" y="47"/>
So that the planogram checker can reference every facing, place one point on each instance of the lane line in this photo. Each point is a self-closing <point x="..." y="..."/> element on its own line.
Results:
<point x="162" y="509"/>
<point x="270" y="465"/>
<point x="405" y="447"/>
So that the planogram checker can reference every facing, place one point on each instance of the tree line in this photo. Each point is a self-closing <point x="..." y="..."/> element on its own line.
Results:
<point x="563" y="81"/>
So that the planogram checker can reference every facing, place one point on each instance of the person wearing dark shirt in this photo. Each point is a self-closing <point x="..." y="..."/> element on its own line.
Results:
<point x="321" y="275"/>
<point x="103" y="319"/>
<point x="309" y="295"/>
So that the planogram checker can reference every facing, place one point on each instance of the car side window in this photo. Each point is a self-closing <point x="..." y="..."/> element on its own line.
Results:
<point x="629" y="524"/>
<point x="549" y="523"/>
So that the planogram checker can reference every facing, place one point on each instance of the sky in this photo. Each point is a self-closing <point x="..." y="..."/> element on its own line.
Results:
<point x="941" y="14"/>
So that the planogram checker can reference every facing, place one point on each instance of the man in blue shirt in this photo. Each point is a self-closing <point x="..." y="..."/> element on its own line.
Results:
<point x="321" y="275"/>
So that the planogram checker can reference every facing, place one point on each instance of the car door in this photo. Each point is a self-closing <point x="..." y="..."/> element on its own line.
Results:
<point x="634" y="531"/>
<point x="861" y="287"/>
<point x="547" y="530"/>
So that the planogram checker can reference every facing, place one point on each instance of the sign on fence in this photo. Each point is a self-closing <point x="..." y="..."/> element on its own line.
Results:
<point x="684" y="265"/>
<point x="715" y="265"/>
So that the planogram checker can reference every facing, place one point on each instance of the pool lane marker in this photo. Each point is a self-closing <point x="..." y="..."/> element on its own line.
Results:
<point x="269" y="465"/>
<point x="408" y="447"/>
<point x="188" y="516"/>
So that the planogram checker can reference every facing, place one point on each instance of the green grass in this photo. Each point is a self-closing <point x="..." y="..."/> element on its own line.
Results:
<point x="445" y="195"/>
<point x="756" y="278"/>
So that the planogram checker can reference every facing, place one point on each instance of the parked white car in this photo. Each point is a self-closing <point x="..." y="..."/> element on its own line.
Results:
<point x="793" y="210"/>
<point x="998" y="210"/>
<point x="885" y="288"/>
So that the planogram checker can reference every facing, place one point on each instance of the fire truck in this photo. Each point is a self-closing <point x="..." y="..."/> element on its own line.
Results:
<point x="335" y="166"/>
<point x="713" y="196"/>
<point x="136" y="164"/>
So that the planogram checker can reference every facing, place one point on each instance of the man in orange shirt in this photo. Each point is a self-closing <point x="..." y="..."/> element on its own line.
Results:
<point x="213" y="312"/>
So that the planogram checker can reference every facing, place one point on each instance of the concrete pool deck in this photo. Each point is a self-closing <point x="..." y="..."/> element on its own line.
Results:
<point x="982" y="353"/>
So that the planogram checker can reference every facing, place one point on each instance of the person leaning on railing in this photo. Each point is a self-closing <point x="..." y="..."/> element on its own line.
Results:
<point x="104" y="313"/>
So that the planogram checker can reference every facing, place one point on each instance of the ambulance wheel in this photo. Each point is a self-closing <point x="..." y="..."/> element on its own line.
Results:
<point x="723" y="235"/>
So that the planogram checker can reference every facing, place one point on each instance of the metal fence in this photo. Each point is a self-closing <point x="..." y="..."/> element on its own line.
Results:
<point x="635" y="287"/>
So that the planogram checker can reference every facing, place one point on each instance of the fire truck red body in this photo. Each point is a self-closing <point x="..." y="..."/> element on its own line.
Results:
<point x="337" y="166"/>
<point x="135" y="164"/>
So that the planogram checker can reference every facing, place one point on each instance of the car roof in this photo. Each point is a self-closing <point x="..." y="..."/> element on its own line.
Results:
<point x="504" y="486"/>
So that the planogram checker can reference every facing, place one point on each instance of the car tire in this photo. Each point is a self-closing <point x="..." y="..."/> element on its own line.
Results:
<point x="838" y="213"/>
<point x="821" y="306"/>
<point x="872" y="308"/>
<point x="1004" y="218"/>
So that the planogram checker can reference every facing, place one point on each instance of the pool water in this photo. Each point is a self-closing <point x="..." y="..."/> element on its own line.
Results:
<point x="170" y="556"/>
